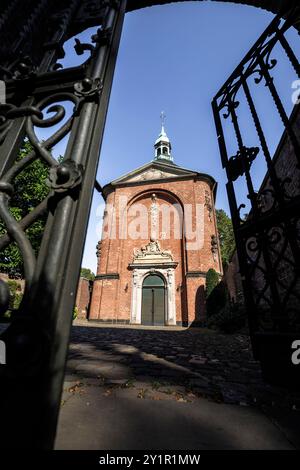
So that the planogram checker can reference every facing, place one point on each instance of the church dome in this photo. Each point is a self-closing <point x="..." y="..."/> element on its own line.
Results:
<point x="162" y="137"/>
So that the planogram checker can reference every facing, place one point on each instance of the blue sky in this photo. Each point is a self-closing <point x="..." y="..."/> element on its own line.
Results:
<point x="175" y="58"/>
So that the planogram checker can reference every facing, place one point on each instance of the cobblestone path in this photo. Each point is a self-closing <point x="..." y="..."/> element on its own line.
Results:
<point x="145" y="388"/>
<point x="182" y="363"/>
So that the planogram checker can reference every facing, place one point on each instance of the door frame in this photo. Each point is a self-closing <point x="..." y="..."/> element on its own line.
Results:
<point x="153" y="288"/>
<point x="138" y="277"/>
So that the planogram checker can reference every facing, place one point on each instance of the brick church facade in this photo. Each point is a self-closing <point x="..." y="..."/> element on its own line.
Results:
<point x="159" y="239"/>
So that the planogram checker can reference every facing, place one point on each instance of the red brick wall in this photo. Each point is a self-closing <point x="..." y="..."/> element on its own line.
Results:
<point x="111" y="298"/>
<point x="83" y="297"/>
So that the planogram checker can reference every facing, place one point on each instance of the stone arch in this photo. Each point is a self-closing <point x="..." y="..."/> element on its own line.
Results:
<point x="154" y="272"/>
<point x="273" y="6"/>
<point x="166" y="195"/>
<point x="163" y="192"/>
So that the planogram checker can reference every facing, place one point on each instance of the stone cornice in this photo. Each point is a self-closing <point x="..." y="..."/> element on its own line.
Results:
<point x="199" y="274"/>
<point x="176" y="173"/>
<point x="107" y="276"/>
<point x="153" y="265"/>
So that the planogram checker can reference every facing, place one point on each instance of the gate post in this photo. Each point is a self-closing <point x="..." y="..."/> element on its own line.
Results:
<point x="37" y="339"/>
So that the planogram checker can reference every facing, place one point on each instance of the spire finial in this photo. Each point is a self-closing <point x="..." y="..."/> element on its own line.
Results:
<point x="162" y="145"/>
<point x="162" y="118"/>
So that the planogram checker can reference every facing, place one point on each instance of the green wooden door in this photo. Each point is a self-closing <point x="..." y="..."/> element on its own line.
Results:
<point x="153" y="301"/>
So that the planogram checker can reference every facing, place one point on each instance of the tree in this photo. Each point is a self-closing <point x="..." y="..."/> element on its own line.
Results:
<point x="226" y="235"/>
<point x="30" y="189"/>
<point x="87" y="274"/>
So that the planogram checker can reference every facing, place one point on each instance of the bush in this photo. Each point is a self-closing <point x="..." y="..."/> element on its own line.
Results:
<point x="212" y="280"/>
<point x="229" y="320"/>
<point x="217" y="299"/>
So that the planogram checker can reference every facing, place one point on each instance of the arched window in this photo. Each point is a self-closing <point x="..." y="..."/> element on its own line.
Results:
<point x="158" y="151"/>
<point x="165" y="150"/>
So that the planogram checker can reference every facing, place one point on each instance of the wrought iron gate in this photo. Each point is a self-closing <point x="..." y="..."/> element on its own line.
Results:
<point x="32" y="34"/>
<point x="268" y="238"/>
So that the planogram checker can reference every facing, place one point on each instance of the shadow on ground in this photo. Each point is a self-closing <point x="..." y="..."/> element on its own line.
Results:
<point x="148" y="389"/>
<point x="214" y="365"/>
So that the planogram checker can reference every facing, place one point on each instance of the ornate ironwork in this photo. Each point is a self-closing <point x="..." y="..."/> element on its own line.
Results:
<point x="267" y="240"/>
<point x="241" y="162"/>
<point x="32" y="35"/>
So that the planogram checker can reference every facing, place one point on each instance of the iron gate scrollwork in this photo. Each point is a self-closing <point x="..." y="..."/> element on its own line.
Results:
<point x="32" y="34"/>
<point x="268" y="238"/>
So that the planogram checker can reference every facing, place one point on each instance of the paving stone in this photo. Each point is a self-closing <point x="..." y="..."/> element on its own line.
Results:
<point x="197" y="361"/>
<point x="215" y="364"/>
<point x="199" y="382"/>
<point x="119" y="382"/>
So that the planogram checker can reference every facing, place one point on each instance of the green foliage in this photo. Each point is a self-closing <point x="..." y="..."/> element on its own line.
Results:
<point x="230" y="319"/>
<point x="216" y="293"/>
<point x="75" y="313"/>
<point x="226" y="236"/>
<point x="30" y="190"/>
<point x="16" y="295"/>
<point x="87" y="274"/>
<point x="217" y="299"/>
<point x="212" y="280"/>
